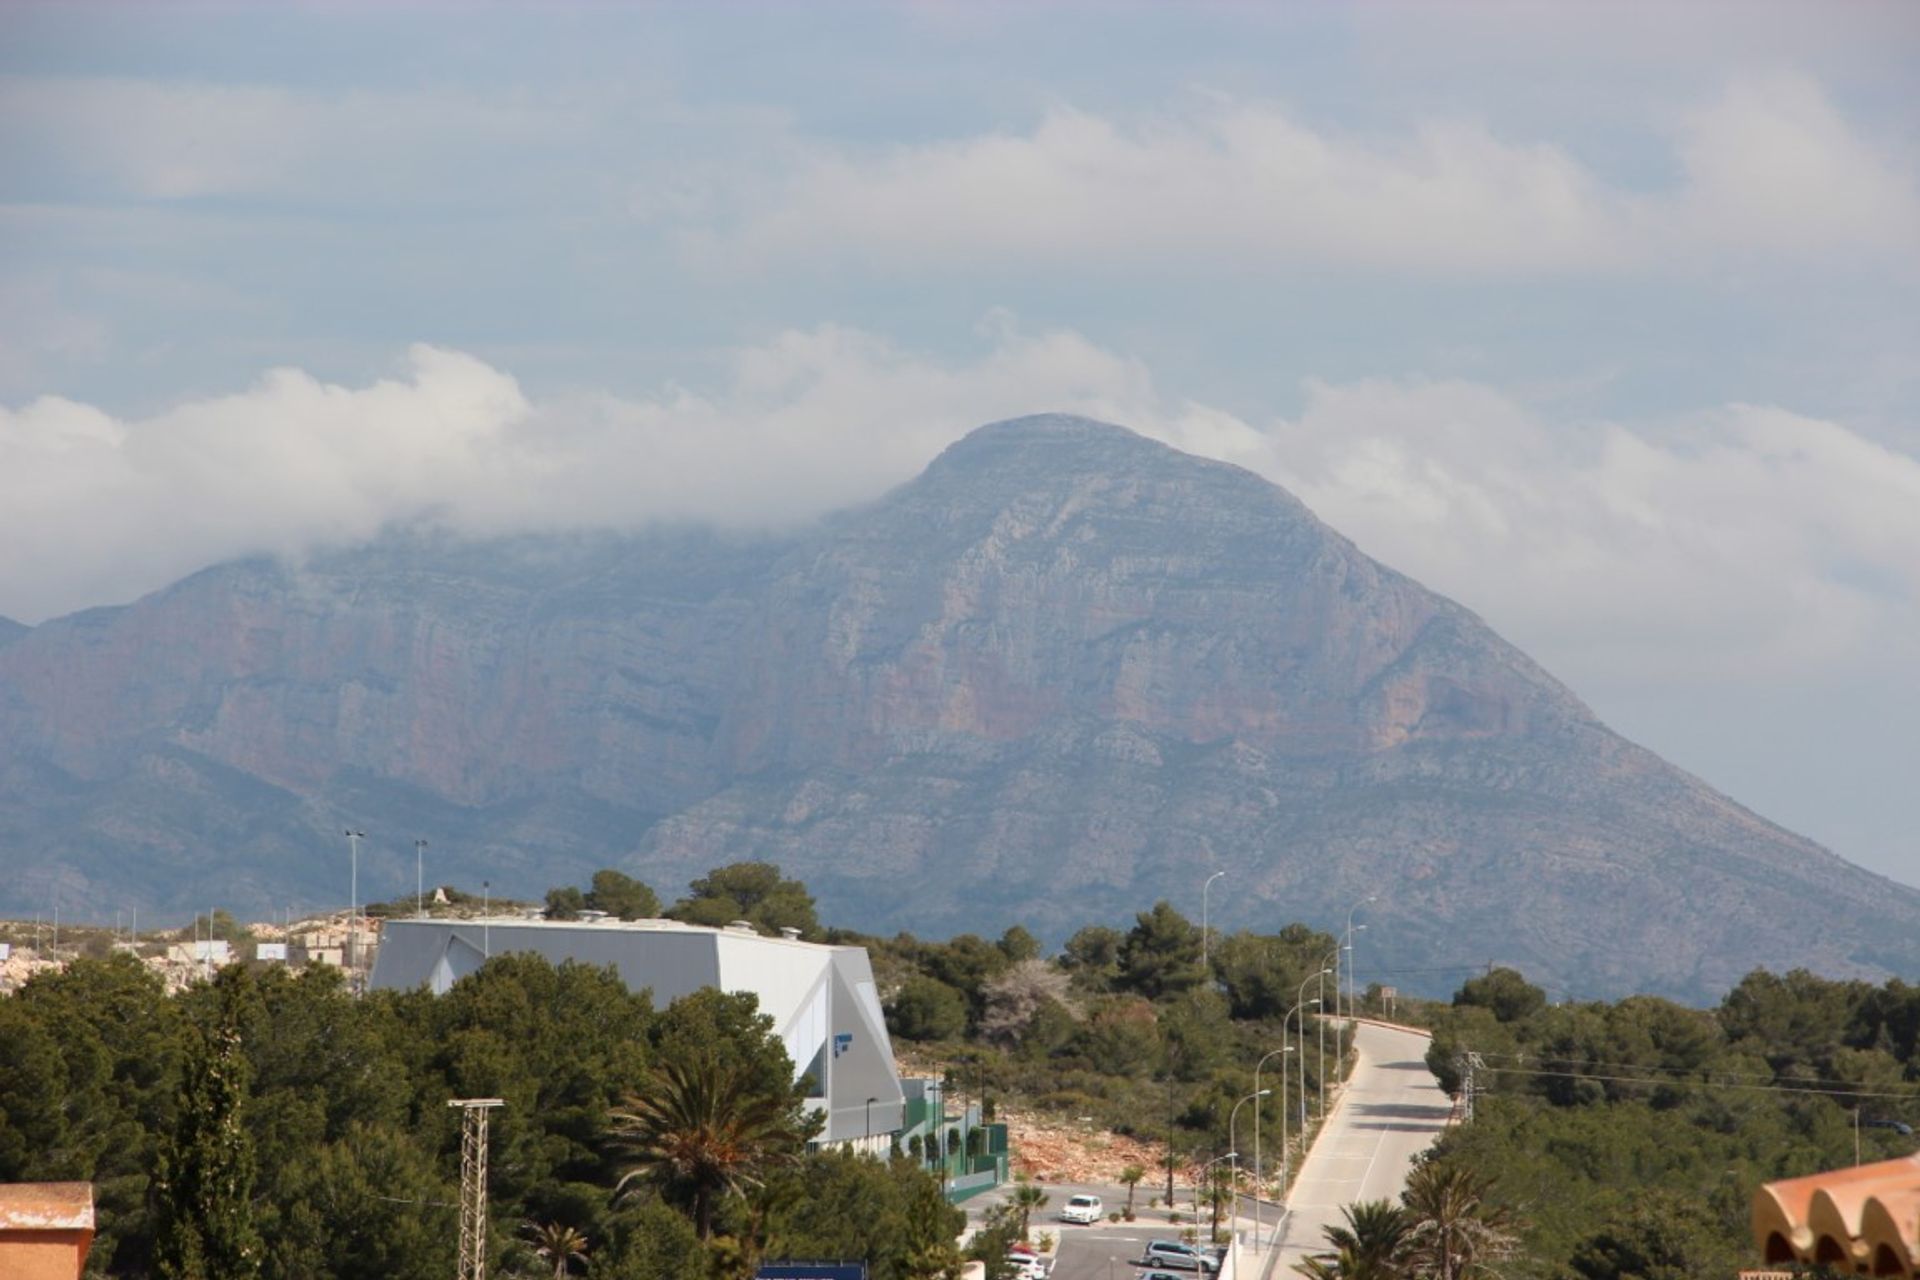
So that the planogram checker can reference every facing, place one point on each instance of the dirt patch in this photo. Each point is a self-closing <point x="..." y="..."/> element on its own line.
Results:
<point x="1048" y="1149"/>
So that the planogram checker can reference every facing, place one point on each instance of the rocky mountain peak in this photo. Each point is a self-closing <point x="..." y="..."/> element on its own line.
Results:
<point x="1042" y="682"/>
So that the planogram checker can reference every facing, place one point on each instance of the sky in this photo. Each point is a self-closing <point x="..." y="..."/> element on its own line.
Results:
<point x="1599" y="318"/>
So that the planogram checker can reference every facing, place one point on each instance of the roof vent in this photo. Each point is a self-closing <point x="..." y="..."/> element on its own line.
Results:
<point x="790" y="933"/>
<point x="740" y="926"/>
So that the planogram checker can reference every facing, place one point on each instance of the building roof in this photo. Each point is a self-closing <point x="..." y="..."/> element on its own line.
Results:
<point x="46" y="1206"/>
<point x="1858" y="1218"/>
<point x="822" y="998"/>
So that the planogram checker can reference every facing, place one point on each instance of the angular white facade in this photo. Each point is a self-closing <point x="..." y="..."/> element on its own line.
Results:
<point x="822" y="999"/>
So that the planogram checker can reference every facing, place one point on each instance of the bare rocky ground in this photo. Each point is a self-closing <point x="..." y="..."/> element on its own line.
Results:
<point x="1049" y="1149"/>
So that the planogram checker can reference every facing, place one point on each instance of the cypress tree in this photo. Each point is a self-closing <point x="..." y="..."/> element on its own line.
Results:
<point x="204" y="1183"/>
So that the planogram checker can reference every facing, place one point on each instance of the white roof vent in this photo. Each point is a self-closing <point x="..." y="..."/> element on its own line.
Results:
<point x="740" y="926"/>
<point x="790" y="933"/>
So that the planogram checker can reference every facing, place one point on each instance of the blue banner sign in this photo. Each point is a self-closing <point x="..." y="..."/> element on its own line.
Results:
<point x="812" y="1271"/>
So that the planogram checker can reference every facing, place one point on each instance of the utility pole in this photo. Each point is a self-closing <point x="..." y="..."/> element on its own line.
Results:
<point x="419" y="885"/>
<point x="473" y="1185"/>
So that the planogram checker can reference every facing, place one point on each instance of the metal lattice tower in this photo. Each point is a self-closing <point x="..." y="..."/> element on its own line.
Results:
<point x="1473" y="1063"/>
<point x="473" y="1185"/>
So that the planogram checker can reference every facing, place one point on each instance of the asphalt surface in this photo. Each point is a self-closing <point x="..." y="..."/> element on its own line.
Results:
<point x="1391" y="1110"/>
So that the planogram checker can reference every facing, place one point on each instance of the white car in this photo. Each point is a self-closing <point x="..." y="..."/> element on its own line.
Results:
<point x="1084" y="1210"/>
<point x="1025" y="1266"/>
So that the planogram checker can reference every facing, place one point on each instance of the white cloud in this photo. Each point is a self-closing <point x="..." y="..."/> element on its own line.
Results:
<point x="1769" y="167"/>
<point x="1743" y="543"/>
<point x="94" y="509"/>
<point x="1774" y="167"/>
<point x="182" y="140"/>
<point x="1738" y="543"/>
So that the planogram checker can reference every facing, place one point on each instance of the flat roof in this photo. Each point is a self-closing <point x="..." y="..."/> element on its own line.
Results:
<point x="46" y="1206"/>
<point x="617" y="926"/>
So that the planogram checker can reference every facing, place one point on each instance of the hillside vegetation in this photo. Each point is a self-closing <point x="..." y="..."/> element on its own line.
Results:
<point x="270" y="1124"/>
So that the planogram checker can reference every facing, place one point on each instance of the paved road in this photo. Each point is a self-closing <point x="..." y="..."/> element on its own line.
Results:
<point x="1392" y="1110"/>
<point x="1107" y="1250"/>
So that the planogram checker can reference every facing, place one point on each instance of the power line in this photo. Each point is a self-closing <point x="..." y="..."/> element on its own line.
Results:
<point x="1812" y="1084"/>
<point x="1711" y="1084"/>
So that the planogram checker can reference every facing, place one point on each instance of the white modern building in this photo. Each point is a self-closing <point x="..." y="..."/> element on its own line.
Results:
<point x="822" y="999"/>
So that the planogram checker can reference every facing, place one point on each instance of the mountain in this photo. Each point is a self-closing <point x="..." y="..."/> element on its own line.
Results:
<point x="1064" y="672"/>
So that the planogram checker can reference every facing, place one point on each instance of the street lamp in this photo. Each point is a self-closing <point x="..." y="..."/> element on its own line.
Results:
<point x="419" y="884"/>
<point x="1285" y="1153"/>
<point x="1320" y="1024"/>
<point x="353" y="900"/>
<point x="1303" y="1066"/>
<point x="1340" y="1027"/>
<point x="1203" y="924"/>
<point x="870" y="1102"/>
<point x="1350" y="910"/>
<point x="1258" y="1183"/>
<point x="1301" y="994"/>
<point x="1233" y="1215"/>
<point x="1200" y="1178"/>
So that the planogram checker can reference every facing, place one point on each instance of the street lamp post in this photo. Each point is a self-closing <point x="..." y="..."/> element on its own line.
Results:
<point x="1285" y="1154"/>
<point x="1320" y="1024"/>
<point x="1258" y="1183"/>
<point x="1301" y="994"/>
<point x="1340" y="1026"/>
<point x="419" y="883"/>
<point x="1303" y="1066"/>
<point x="1200" y="1179"/>
<point x="1203" y="924"/>
<point x="353" y="900"/>
<point x="1350" y="910"/>
<point x="1233" y="1215"/>
<point x="486" y="919"/>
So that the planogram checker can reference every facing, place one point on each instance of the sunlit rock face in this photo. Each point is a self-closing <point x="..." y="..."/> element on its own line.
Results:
<point x="1063" y="673"/>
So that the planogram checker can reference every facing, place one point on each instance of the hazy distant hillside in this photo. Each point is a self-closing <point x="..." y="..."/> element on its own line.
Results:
<point x="1064" y="672"/>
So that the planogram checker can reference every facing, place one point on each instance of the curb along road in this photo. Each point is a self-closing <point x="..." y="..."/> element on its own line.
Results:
<point x="1390" y="1111"/>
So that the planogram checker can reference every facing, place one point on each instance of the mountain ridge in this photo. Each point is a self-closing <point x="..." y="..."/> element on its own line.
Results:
<point x="1061" y="671"/>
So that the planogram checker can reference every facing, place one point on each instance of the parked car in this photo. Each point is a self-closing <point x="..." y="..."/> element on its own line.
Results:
<point x="1081" y="1209"/>
<point x="1025" y="1266"/>
<point x="1184" y="1257"/>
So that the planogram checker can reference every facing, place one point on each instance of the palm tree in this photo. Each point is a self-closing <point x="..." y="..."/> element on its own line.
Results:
<point x="1026" y="1198"/>
<point x="558" y="1244"/>
<point x="1130" y="1178"/>
<point x="700" y="1132"/>
<point x="1455" y="1233"/>
<point x="1372" y="1246"/>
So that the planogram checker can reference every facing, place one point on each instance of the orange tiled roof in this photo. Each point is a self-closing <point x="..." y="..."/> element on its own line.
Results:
<point x="1864" y="1219"/>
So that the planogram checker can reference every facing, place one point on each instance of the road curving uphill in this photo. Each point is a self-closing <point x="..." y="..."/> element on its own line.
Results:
<point x="1391" y="1110"/>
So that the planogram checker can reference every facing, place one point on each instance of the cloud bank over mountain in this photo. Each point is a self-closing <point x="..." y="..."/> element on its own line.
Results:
<point x="1755" y="541"/>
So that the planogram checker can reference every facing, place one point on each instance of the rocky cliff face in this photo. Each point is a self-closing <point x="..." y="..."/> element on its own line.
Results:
<point x="1064" y="672"/>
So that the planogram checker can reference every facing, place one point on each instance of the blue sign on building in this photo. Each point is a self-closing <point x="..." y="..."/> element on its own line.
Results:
<point x="811" y="1271"/>
<point x="842" y="1042"/>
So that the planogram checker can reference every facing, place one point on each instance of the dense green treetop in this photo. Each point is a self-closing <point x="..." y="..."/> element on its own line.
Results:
<point x="751" y="891"/>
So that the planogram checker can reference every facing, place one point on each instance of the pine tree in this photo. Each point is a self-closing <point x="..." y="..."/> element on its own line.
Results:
<point x="204" y="1183"/>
